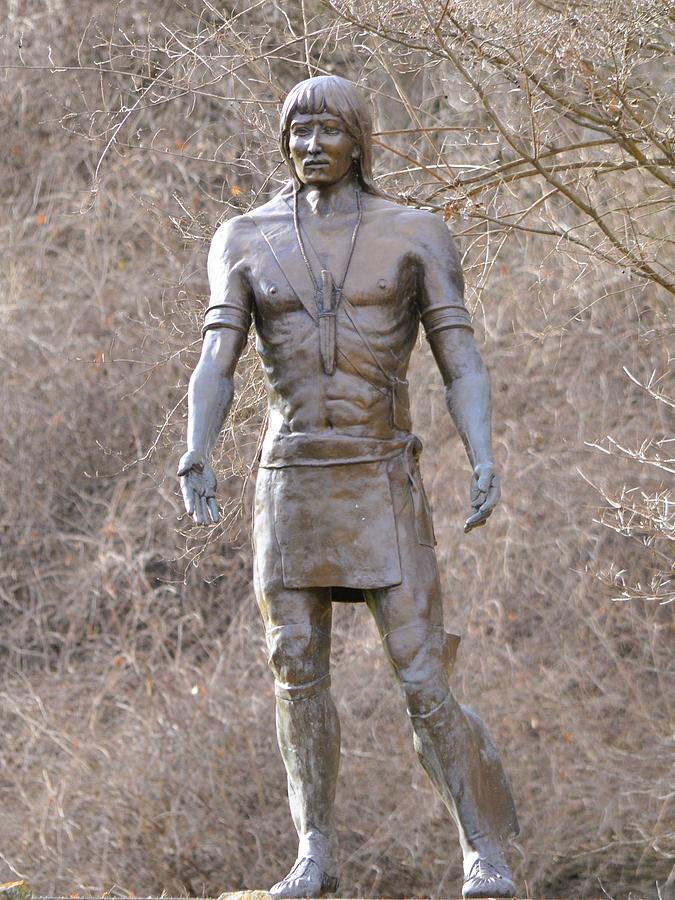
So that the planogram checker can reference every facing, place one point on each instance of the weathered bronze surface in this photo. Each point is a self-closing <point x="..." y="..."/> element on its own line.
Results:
<point x="337" y="280"/>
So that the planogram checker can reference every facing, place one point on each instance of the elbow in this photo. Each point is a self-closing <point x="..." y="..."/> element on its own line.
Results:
<point x="472" y="371"/>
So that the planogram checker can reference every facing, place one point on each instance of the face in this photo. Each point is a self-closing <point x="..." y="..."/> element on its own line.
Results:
<point x="321" y="150"/>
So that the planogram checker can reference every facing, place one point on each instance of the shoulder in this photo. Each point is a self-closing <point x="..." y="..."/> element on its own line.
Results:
<point x="233" y="236"/>
<point x="427" y="229"/>
<point x="240" y="229"/>
<point x="430" y="243"/>
<point x="421" y="226"/>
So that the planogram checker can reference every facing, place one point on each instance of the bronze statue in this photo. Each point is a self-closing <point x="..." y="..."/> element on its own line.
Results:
<point x="337" y="279"/>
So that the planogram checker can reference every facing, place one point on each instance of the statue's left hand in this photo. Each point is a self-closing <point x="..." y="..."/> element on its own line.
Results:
<point x="485" y="494"/>
<point x="198" y="486"/>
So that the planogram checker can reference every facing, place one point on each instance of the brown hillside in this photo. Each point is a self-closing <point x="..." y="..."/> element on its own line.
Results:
<point x="137" y="713"/>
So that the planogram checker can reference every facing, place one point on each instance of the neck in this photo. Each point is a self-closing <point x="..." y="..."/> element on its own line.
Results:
<point x="330" y="199"/>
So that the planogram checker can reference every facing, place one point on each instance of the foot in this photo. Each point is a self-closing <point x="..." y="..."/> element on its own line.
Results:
<point x="486" y="879"/>
<point x="306" y="879"/>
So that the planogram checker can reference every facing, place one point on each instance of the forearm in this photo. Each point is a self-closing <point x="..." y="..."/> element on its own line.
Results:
<point x="209" y="400"/>
<point x="467" y="390"/>
<point x="467" y="397"/>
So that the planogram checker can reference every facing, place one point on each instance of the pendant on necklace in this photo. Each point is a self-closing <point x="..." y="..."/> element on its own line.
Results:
<point x="327" y="295"/>
<point x="327" y="309"/>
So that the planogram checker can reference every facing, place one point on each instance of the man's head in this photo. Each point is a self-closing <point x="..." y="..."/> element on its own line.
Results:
<point x="326" y="130"/>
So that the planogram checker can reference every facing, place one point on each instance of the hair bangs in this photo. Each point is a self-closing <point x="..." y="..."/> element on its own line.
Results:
<point x="310" y="100"/>
<point x="326" y="95"/>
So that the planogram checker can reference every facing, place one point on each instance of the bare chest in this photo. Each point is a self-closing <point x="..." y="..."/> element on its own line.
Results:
<point x="381" y="273"/>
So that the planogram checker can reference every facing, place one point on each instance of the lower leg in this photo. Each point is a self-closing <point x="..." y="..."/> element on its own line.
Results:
<point x="458" y="755"/>
<point x="457" y="752"/>
<point x="298" y="630"/>
<point x="308" y="731"/>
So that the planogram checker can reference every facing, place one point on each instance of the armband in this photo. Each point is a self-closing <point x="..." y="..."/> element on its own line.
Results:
<point x="452" y="315"/>
<point x="227" y="315"/>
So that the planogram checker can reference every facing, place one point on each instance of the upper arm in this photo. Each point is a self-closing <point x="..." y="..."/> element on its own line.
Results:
<point x="231" y="300"/>
<point x="228" y="317"/>
<point x="441" y="287"/>
<point x="443" y="311"/>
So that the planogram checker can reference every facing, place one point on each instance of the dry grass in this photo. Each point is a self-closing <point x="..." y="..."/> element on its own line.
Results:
<point x="138" y="752"/>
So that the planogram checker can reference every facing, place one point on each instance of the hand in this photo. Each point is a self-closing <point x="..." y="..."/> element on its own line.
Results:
<point x="198" y="486"/>
<point x="485" y="493"/>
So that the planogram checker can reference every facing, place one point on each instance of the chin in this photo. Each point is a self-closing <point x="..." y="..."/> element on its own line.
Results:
<point x="314" y="179"/>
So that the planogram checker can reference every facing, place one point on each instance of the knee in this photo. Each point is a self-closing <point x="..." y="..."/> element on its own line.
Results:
<point x="422" y="656"/>
<point x="298" y="655"/>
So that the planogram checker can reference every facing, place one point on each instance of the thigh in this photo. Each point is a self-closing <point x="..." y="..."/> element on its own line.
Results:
<point x="280" y="606"/>
<point x="417" y="600"/>
<point x="409" y="616"/>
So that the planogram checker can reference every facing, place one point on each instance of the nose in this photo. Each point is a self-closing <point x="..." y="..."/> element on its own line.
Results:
<point x="314" y="144"/>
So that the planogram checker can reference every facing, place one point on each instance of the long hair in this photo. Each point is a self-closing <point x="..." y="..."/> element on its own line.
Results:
<point x="342" y="99"/>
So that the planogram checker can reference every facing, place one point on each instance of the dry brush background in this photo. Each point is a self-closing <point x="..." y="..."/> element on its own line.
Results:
<point x="137" y="752"/>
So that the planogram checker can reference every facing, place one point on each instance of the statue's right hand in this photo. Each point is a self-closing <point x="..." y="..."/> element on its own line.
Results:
<point x="198" y="486"/>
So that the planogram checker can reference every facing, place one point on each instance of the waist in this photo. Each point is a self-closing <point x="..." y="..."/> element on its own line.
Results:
<point x="306" y="449"/>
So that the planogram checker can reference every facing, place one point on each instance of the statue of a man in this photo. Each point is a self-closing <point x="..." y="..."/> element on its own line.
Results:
<point x="337" y="280"/>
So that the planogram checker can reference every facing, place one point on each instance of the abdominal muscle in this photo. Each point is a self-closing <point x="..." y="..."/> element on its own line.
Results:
<point x="340" y="402"/>
<point x="356" y="399"/>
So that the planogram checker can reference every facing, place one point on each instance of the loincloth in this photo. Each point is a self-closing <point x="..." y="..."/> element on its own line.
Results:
<point x="329" y="506"/>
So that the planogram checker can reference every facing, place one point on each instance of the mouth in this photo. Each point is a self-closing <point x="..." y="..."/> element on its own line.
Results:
<point x="315" y="164"/>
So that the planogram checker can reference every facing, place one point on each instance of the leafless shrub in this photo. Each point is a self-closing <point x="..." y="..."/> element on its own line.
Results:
<point x="644" y="514"/>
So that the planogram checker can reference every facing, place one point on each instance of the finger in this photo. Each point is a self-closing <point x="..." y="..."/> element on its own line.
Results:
<point x="492" y="497"/>
<point x="188" y="496"/>
<point x="210" y="483"/>
<point x="480" y="487"/>
<point x="206" y="516"/>
<point x="470" y="526"/>
<point x="485" y="480"/>
<point x="476" y="492"/>
<point x="484" y="510"/>
<point x="200" y="517"/>
<point x="476" y="520"/>
<point x="212" y="507"/>
<point x="480" y="516"/>
<point x="206" y="513"/>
